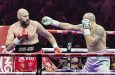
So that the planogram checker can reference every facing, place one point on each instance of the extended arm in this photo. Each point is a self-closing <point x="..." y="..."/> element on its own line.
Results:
<point x="49" y="21"/>
<point x="43" y="32"/>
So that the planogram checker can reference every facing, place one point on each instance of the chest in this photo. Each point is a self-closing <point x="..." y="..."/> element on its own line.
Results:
<point x="30" y="29"/>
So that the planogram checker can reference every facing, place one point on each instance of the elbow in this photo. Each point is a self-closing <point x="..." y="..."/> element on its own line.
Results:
<point x="7" y="45"/>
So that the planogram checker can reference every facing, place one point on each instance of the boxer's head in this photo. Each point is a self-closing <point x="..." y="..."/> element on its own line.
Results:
<point x="89" y="16"/>
<point x="23" y="17"/>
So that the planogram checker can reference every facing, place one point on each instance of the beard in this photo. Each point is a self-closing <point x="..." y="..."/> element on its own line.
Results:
<point x="25" y="23"/>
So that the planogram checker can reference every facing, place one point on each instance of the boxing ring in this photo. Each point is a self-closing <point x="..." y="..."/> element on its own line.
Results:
<point x="68" y="52"/>
<point x="59" y="71"/>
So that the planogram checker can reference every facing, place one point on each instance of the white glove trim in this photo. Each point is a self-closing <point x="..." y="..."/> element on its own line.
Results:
<point x="55" y="23"/>
<point x="16" y="41"/>
<point x="87" y="31"/>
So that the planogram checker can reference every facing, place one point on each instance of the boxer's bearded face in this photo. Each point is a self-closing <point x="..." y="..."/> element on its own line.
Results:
<point x="25" y="21"/>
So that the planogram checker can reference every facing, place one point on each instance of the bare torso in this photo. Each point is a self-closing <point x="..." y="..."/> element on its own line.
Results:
<point x="96" y="41"/>
<point x="101" y="43"/>
<point x="32" y="33"/>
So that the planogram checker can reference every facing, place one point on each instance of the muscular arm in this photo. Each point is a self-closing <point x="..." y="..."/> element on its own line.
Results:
<point x="69" y="26"/>
<point x="9" y="41"/>
<point x="93" y="40"/>
<point x="49" y="21"/>
<point x="43" y="32"/>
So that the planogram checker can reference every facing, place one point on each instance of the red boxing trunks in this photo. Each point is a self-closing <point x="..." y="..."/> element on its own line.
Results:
<point x="26" y="64"/>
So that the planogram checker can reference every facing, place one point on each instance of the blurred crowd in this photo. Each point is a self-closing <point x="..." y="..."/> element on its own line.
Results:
<point x="78" y="63"/>
<point x="66" y="11"/>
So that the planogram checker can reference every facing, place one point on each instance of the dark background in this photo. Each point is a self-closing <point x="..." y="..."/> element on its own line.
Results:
<point x="62" y="10"/>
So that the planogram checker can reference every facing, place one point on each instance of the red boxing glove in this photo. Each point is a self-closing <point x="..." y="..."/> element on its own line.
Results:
<point x="57" y="51"/>
<point x="20" y="36"/>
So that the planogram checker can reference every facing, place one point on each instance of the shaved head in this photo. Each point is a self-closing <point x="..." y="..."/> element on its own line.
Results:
<point x="22" y="12"/>
<point x="89" y="16"/>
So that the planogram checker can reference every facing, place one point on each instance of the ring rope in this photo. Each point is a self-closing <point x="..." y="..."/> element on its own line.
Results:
<point x="59" y="73"/>
<point x="17" y="73"/>
<point x="73" y="50"/>
<point x="75" y="32"/>
<point x="79" y="73"/>
<point x="61" y="54"/>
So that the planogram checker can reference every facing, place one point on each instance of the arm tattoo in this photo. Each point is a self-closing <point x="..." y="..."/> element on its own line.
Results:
<point x="99" y="33"/>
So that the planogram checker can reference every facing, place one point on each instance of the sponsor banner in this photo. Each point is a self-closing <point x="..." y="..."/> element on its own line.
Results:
<point x="6" y="63"/>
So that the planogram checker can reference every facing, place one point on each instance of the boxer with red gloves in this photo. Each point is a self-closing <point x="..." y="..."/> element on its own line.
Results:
<point x="23" y="36"/>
